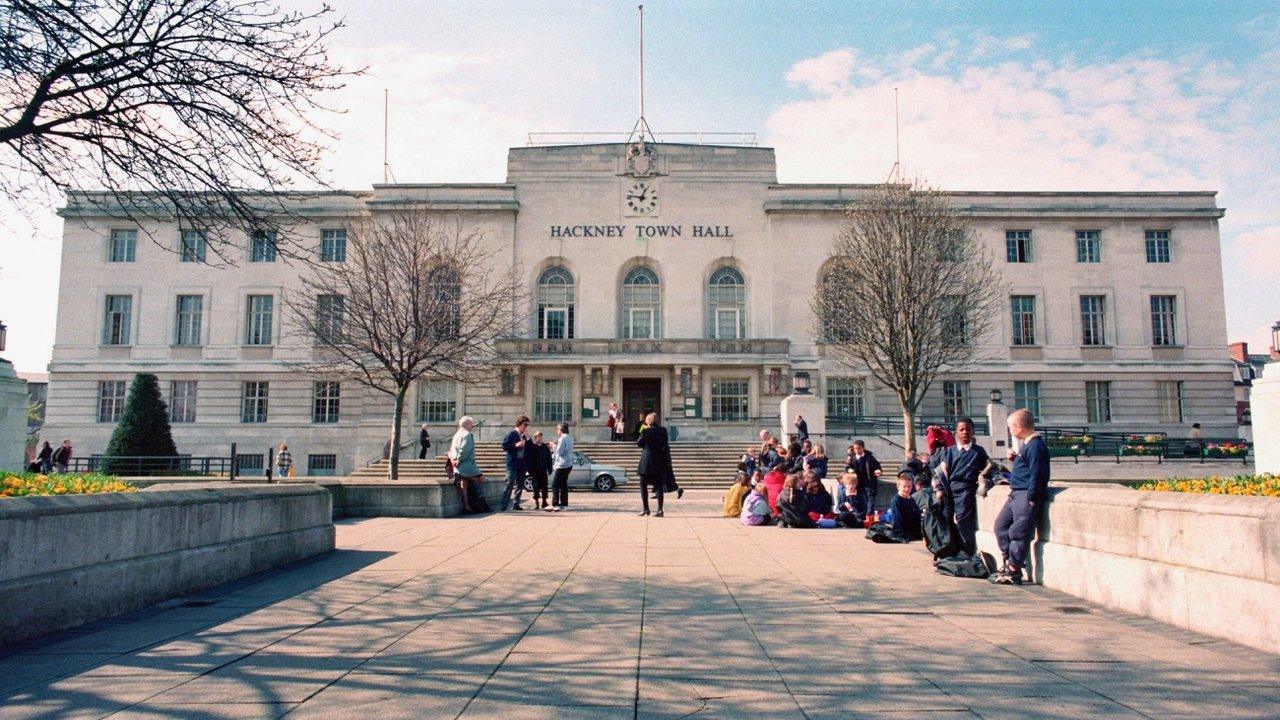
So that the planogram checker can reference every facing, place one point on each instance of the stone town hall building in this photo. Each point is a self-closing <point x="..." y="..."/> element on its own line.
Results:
<point x="681" y="285"/>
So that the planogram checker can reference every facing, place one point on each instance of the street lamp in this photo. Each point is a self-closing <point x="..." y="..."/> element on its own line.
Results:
<point x="996" y="396"/>
<point x="800" y="382"/>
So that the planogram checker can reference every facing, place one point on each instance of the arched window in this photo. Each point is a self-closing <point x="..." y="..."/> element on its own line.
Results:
<point x="443" y="306"/>
<point x="641" y="304"/>
<point x="555" y="304"/>
<point x="726" y="304"/>
<point x="834" y="311"/>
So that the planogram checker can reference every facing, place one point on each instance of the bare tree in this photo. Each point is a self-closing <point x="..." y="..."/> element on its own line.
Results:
<point x="419" y="296"/>
<point x="174" y="107"/>
<point x="907" y="293"/>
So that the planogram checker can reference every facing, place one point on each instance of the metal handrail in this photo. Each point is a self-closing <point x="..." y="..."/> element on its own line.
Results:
<point x="152" y="465"/>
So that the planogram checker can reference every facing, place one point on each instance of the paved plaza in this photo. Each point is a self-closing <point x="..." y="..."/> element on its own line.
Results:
<point x="597" y="613"/>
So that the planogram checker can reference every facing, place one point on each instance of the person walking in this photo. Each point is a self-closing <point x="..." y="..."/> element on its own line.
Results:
<point x="864" y="464"/>
<point x="1028" y="486"/>
<point x="961" y="468"/>
<point x="284" y="461"/>
<point x="62" y="456"/>
<point x="562" y="464"/>
<point x="539" y="470"/>
<point x="424" y="442"/>
<point x="462" y="454"/>
<point x="45" y="458"/>
<point x="655" y="462"/>
<point x="515" y="445"/>
<point x="614" y="422"/>
<point x="802" y="428"/>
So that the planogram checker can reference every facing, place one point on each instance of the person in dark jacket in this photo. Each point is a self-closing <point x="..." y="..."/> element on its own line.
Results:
<point x="62" y="456"/>
<point x="865" y="465"/>
<point x="961" y="468"/>
<point x="904" y="513"/>
<point x="793" y="505"/>
<point x="848" y="503"/>
<point x="655" y="462"/>
<point x="539" y="470"/>
<point x="802" y="428"/>
<point x="816" y="462"/>
<point x="1028" y="487"/>
<point x="818" y="500"/>
<point x="515" y="445"/>
<point x="424" y="442"/>
<point x="44" y="460"/>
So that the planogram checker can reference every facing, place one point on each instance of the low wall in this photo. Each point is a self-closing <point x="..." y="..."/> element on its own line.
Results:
<point x="1207" y="563"/>
<point x="68" y="560"/>
<point x="420" y="498"/>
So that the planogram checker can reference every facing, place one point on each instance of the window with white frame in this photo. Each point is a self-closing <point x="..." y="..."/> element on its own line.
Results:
<point x="1024" y="319"/>
<point x="727" y="304"/>
<point x="322" y="464"/>
<point x="257" y="319"/>
<point x="329" y="312"/>
<point x="553" y="400"/>
<point x="190" y="311"/>
<point x="1088" y="246"/>
<point x="194" y="244"/>
<point x="111" y="395"/>
<point x="641" y="304"/>
<point x="333" y="245"/>
<point x="1158" y="250"/>
<point x="1164" y="320"/>
<point x="122" y="246"/>
<point x="955" y="399"/>
<point x="1097" y="401"/>
<point x="1169" y="400"/>
<point x="326" y="396"/>
<point x="555" y="304"/>
<point x="1026" y="394"/>
<point x="1093" y="320"/>
<point x="437" y="401"/>
<point x="253" y="401"/>
<point x="955" y="326"/>
<point x="845" y="398"/>
<point x="730" y="399"/>
<point x="117" y="320"/>
<point x="1017" y="246"/>
<point x="262" y="246"/>
<point x="182" y="401"/>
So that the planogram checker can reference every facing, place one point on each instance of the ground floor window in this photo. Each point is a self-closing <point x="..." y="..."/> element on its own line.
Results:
<point x="182" y="401"/>
<point x="110" y="400"/>
<point x="325" y="464"/>
<point x="844" y="398"/>
<point x="1169" y="399"/>
<point x="437" y="401"/>
<point x="324" y="406"/>
<point x="1097" y="401"/>
<point x="553" y="400"/>
<point x="253" y="405"/>
<point x="250" y="462"/>
<point x="955" y="399"/>
<point x="1026" y="395"/>
<point x="729" y="400"/>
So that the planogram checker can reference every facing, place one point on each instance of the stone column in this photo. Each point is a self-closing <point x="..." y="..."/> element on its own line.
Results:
<point x="811" y="407"/>
<point x="997" y="422"/>
<point x="13" y="418"/>
<point x="1264" y="405"/>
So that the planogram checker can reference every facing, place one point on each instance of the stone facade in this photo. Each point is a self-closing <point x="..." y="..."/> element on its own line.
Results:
<point x="735" y="255"/>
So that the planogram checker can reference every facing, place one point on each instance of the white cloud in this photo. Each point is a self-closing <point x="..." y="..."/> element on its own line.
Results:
<point x="830" y="72"/>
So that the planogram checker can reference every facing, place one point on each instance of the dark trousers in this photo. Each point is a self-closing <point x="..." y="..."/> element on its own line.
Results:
<point x="851" y="519"/>
<point x="1014" y="526"/>
<point x="560" y="488"/>
<point x="658" y="483"/>
<point x="422" y="451"/>
<point x="615" y="433"/>
<point x="515" y="488"/>
<point x="867" y="493"/>
<point x="539" y="485"/>
<point x="966" y="515"/>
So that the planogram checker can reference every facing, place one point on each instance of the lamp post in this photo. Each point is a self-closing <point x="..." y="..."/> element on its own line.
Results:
<point x="997" y="423"/>
<point x="995" y="395"/>
<point x="4" y="334"/>
<point x="800" y="381"/>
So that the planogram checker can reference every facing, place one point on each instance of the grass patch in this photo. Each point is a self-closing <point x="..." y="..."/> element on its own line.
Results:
<point x="28" y="483"/>
<point x="1266" y="485"/>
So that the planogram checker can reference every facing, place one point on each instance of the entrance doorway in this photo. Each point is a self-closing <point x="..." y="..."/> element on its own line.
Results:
<point x="640" y="396"/>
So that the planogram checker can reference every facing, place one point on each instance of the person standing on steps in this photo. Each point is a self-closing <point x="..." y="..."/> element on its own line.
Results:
<point x="424" y="442"/>
<point x="614" y="422"/>
<point x="655" y="461"/>
<point x="516" y="445"/>
<point x="1028" y="486"/>
<point x="961" y="467"/>
<point x="562" y="462"/>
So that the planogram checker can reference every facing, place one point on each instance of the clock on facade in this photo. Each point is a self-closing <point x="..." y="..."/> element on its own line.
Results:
<point x="642" y="198"/>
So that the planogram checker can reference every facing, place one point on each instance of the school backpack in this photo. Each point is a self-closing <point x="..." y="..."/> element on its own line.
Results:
<point x="883" y="533"/>
<point x="979" y="566"/>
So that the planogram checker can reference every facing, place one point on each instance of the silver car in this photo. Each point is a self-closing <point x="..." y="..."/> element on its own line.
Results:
<point x="588" y="474"/>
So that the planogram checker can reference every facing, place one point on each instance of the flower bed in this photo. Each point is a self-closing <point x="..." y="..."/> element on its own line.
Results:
<point x="26" y="484"/>
<point x="1267" y="485"/>
<point x="1226" y="450"/>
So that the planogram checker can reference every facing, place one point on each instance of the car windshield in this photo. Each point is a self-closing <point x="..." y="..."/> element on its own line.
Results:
<point x="580" y="459"/>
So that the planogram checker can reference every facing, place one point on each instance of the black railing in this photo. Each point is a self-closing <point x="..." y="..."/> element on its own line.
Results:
<point x="893" y="424"/>
<point x="142" y="465"/>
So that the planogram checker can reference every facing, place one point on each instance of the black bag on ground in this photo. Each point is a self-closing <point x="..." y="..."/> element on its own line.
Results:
<point x="883" y="533"/>
<point x="965" y="566"/>
<point x="476" y="499"/>
<point x="940" y="533"/>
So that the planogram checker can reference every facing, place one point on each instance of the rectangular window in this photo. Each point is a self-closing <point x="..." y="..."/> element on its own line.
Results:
<point x="254" y="461"/>
<point x="1097" y="401"/>
<point x="262" y="246"/>
<point x="1088" y="246"/>
<point x="110" y="400"/>
<point x="555" y="323"/>
<point x="187" y="327"/>
<point x="333" y="245"/>
<point x="323" y="464"/>
<point x="324" y="405"/>
<point x="1164" y="320"/>
<point x="253" y="401"/>
<point x="329" y="311"/>
<point x="1169" y="400"/>
<point x="193" y="247"/>
<point x="1026" y="394"/>
<point x="639" y="323"/>
<point x="1093" y="320"/>
<point x="182" y="401"/>
<point x="123" y="246"/>
<point x="728" y="323"/>
<point x="955" y="399"/>
<point x="1024" y="319"/>
<point x="553" y="400"/>
<point x="954" y="328"/>
<point x="1158" y="246"/>
<point x="437" y="401"/>
<point x="257" y="319"/>
<point x="1017" y="245"/>
<point x="117" y="321"/>
<point x="844" y="398"/>
<point x="729" y="400"/>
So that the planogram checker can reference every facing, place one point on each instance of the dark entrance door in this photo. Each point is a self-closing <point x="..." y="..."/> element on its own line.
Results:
<point x="640" y="396"/>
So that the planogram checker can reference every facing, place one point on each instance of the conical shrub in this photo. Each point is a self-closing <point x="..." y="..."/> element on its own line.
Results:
<point x="143" y="429"/>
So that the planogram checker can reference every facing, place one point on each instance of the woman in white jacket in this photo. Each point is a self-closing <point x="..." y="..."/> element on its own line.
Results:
<point x="561" y="463"/>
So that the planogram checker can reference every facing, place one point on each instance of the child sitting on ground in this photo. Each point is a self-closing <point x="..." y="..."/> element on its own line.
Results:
<point x="818" y="499"/>
<point x="849" y="510"/>
<point x="793" y="505"/>
<point x="903" y="511"/>
<point x="733" y="499"/>
<point x="755" y="509"/>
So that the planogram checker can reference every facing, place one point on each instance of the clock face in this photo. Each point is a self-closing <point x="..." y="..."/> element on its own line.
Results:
<point x="642" y="198"/>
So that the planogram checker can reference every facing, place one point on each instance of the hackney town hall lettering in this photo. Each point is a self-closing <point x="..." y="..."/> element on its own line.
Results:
<point x="639" y="231"/>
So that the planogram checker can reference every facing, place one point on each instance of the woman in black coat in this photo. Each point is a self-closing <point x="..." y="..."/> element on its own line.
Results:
<point x="655" y="462"/>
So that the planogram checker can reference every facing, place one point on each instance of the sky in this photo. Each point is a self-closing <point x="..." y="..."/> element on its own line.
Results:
<point x="993" y="96"/>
